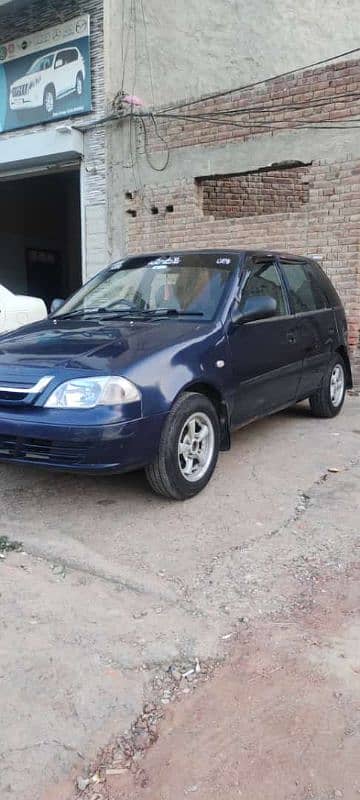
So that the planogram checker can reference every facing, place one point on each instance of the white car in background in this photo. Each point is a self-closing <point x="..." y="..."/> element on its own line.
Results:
<point x="49" y="78"/>
<point x="17" y="310"/>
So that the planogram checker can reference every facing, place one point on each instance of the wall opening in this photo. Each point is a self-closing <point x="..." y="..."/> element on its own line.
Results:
<point x="40" y="235"/>
<point x="281" y="188"/>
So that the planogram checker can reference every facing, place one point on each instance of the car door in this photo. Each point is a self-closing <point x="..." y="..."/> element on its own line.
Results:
<point x="73" y="62"/>
<point x="315" y="324"/>
<point x="266" y="361"/>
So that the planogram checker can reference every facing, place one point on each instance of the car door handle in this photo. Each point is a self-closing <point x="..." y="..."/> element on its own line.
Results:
<point x="291" y="337"/>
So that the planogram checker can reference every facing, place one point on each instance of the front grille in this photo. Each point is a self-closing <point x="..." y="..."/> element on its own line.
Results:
<point x="11" y="397"/>
<point x="20" y="91"/>
<point x="42" y="451"/>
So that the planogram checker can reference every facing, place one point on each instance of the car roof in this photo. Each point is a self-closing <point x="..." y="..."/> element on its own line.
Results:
<point x="221" y="251"/>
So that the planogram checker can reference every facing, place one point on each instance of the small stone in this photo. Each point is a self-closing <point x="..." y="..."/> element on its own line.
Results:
<point x="119" y="771"/>
<point x="139" y="614"/>
<point x="338" y="793"/>
<point x="82" y="783"/>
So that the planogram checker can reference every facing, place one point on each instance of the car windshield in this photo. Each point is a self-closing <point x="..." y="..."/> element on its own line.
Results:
<point x="192" y="285"/>
<point x="45" y="62"/>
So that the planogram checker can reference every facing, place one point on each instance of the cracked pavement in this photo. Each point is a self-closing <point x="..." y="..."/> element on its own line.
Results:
<point x="114" y="584"/>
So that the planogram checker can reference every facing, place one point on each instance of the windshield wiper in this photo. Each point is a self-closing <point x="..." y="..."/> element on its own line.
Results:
<point x="93" y="311"/>
<point x="132" y="312"/>
<point x="172" y="312"/>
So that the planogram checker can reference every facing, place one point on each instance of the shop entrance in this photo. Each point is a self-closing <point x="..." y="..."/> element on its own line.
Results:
<point x="40" y="234"/>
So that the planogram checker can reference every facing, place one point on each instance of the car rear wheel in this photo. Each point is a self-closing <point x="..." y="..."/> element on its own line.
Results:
<point x="189" y="448"/>
<point x="49" y="100"/>
<point x="329" y="399"/>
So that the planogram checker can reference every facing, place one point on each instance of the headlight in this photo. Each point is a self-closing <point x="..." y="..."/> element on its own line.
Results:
<point x="91" y="392"/>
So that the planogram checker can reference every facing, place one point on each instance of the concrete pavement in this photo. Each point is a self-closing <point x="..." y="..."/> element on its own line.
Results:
<point x="114" y="585"/>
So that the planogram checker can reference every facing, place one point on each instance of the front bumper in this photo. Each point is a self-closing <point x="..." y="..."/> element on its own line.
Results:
<point x="113" y="447"/>
<point x="24" y="102"/>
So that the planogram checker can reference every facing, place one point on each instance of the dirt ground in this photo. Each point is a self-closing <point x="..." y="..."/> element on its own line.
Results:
<point x="281" y="721"/>
<point x="209" y="649"/>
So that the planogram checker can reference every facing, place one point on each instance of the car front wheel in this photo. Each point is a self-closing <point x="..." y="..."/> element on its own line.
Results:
<point x="189" y="448"/>
<point x="329" y="399"/>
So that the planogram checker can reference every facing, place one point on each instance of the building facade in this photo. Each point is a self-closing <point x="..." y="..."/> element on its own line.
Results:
<point x="198" y="163"/>
<point x="53" y="217"/>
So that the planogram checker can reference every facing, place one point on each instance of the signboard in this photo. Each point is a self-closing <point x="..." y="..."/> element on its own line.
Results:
<point x="46" y="76"/>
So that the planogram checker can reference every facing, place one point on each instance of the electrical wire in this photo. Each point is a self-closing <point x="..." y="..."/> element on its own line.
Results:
<point x="146" y="150"/>
<point x="148" y="52"/>
<point x="125" y="51"/>
<point x="265" y="109"/>
<point x="250" y="124"/>
<point x="215" y="95"/>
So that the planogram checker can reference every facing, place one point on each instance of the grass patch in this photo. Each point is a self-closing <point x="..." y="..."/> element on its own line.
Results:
<point x="7" y="546"/>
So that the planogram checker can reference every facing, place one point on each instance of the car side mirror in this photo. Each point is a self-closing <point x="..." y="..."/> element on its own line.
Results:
<point x="56" y="304"/>
<point x="255" y="307"/>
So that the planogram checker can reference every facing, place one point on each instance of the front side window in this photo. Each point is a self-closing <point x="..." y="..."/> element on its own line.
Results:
<point x="265" y="281"/>
<point x="185" y="284"/>
<point x="306" y="294"/>
<point x="41" y="64"/>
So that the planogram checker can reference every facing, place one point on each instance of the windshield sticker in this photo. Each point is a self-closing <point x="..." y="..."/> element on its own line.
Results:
<point x="162" y="263"/>
<point x="223" y="261"/>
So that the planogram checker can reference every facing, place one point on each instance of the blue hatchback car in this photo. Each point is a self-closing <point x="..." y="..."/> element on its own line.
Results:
<point x="159" y="357"/>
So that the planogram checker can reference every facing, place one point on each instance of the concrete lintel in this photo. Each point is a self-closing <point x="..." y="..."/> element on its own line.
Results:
<point x="304" y="145"/>
<point x="37" y="148"/>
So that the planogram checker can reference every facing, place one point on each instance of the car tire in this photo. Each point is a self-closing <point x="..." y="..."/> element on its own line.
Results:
<point x="79" y="84"/>
<point x="187" y="453"/>
<point x="328" y="401"/>
<point x="49" y="101"/>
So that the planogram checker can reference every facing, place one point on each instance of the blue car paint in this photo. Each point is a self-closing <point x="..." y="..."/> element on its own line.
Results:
<point x="161" y="356"/>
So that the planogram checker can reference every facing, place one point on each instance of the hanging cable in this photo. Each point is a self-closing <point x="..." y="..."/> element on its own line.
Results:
<point x="146" y="150"/>
<point x="148" y="52"/>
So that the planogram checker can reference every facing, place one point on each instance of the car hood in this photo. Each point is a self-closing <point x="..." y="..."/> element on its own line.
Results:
<point x="26" y="79"/>
<point x="109" y="347"/>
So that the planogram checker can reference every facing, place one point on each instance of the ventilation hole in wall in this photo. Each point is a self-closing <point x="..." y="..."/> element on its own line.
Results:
<point x="131" y="212"/>
<point x="170" y="208"/>
<point x="129" y="195"/>
<point x="154" y="210"/>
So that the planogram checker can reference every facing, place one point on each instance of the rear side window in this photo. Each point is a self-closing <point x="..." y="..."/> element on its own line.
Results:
<point x="305" y="291"/>
<point x="265" y="280"/>
<point x="72" y="56"/>
<point x="325" y="283"/>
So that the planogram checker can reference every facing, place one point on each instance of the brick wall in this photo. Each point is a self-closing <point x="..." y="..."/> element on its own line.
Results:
<point x="332" y="91"/>
<point x="328" y="226"/>
<point x="266" y="191"/>
<point x="314" y="210"/>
